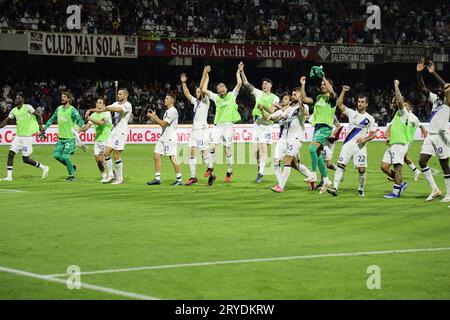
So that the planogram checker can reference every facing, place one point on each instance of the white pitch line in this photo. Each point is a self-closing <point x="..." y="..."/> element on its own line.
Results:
<point x="83" y="284"/>
<point x="10" y="190"/>
<point x="202" y="264"/>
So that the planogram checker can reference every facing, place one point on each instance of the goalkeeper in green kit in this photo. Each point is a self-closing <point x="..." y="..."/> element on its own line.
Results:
<point x="323" y="115"/>
<point x="68" y="119"/>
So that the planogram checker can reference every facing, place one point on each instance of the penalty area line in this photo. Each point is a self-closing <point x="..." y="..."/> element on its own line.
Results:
<point x="83" y="285"/>
<point x="225" y="262"/>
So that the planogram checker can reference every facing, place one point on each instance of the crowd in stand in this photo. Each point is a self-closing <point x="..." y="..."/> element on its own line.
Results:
<point x="402" y="21"/>
<point x="45" y="97"/>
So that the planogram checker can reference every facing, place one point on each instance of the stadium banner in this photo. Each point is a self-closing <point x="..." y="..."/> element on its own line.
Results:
<point x="69" y="44"/>
<point x="345" y="53"/>
<point x="149" y="134"/>
<point x="406" y="53"/>
<point x="167" y="48"/>
<point x="441" y="55"/>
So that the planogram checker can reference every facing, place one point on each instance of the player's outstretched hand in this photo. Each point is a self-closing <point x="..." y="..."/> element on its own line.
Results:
<point x="420" y="65"/>
<point x="183" y="77"/>
<point x="346" y="88"/>
<point x="396" y="83"/>
<point x="207" y="69"/>
<point x="41" y="134"/>
<point x="241" y="66"/>
<point x="303" y="80"/>
<point x="447" y="87"/>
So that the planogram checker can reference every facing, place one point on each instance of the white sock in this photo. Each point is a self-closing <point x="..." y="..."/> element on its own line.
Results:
<point x="303" y="169"/>
<point x="285" y="175"/>
<point x="326" y="180"/>
<point x="212" y="155"/>
<point x="179" y="177"/>
<point x="396" y="189"/>
<point x="206" y="158"/>
<point x="412" y="167"/>
<point x="262" y="165"/>
<point x="427" y="174"/>
<point x="313" y="175"/>
<point x="362" y="181"/>
<point x="447" y="184"/>
<point x="229" y="161"/>
<point x="338" y="177"/>
<point x="41" y="166"/>
<point x="192" y="165"/>
<point x="277" y="169"/>
<point x="9" y="172"/>
<point x="119" y="170"/>
<point x="158" y="176"/>
<point x="109" y="166"/>
<point x="104" y="175"/>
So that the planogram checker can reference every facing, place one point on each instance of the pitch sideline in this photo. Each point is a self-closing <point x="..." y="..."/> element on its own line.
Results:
<point x="202" y="264"/>
<point x="83" y="285"/>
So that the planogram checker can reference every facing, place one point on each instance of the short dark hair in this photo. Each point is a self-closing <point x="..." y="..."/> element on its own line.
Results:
<point x="268" y="80"/>
<point x="296" y="89"/>
<point x="124" y="89"/>
<point x="102" y="98"/>
<point x="172" y="96"/>
<point x="363" y="96"/>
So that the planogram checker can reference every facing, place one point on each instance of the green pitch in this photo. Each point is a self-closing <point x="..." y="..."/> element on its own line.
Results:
<point x="53" y="224"/>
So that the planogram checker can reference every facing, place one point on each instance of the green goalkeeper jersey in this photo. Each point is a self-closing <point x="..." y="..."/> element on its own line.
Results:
<point x="102" y="132"/>
<point x="324" y="110"/>
<point x="68" y="119"/>
<point x="267" y="101"/>
<point x="400" y="128"/>
<point x="226" y="109"/>
<point x="26" y="122"/>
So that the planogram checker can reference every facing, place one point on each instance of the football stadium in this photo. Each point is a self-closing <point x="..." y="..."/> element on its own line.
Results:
<point x="224" y="150"/>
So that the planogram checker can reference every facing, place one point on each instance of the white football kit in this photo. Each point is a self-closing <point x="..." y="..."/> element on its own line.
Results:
<point x="292" y="132"/>
<point x="119" y="133"/>
<point x="200" y="133"/>
<point x="167" y="143"/>
<point x="437" y="143"/>
<point x="360" y="125"/>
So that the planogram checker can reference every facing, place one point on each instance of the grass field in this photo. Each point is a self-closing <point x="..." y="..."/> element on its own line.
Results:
<point x="177" y="231"/>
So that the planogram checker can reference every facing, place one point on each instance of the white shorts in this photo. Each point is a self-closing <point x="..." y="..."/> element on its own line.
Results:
<point x="22" y="144"/>
<point x="199" y="139"/>
<point x="287" y="147"/>
<point x="117" y="141"/>
<point x="328" y="151"/>
<point x="435" y="145"/>
<point x="351" y="149"/>
<point x="166" y="148"/>
<point x="223" y="134"/>
<point x="99" y="148"/>
<point x="395" y="154"/>
<point x="262" y="134"/>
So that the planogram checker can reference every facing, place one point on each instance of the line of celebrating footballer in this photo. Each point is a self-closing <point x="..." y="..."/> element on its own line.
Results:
<point x="291" y="113"/>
